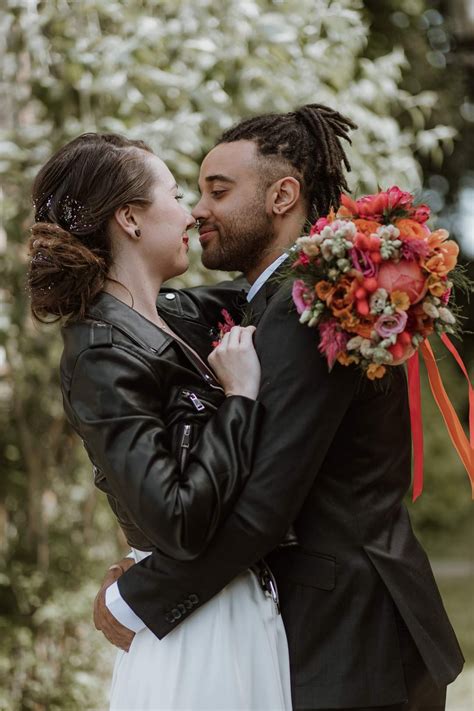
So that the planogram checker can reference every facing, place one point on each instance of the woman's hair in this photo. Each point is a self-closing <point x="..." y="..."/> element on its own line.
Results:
<point x="308" y="143"/>
<point x="74" y="195"/>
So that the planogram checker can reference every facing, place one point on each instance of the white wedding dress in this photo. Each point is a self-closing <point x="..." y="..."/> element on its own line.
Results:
<point x="229" y="655"/>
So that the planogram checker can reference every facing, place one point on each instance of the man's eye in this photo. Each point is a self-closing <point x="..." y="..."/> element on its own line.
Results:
<point x="217" y="193"/>
<point x="179" y="196"/>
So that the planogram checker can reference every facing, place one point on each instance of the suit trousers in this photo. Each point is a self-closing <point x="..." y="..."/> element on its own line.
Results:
<point x="423" y="694"/>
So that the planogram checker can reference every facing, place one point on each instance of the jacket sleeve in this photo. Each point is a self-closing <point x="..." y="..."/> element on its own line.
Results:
<point x="115" y="401"/>
<point x="304" y="407"/>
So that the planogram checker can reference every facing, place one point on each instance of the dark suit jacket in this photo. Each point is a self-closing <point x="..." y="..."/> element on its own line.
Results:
<point x="334" y="458"/>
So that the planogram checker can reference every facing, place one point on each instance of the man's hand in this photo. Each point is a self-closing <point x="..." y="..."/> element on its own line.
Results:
<point x="104" y="621"/>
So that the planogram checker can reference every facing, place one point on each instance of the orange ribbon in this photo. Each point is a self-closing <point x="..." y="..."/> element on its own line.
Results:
<point x="463" y="446"/>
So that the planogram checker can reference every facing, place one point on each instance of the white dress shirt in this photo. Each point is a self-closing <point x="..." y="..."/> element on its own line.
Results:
<point x="113" y="599"/>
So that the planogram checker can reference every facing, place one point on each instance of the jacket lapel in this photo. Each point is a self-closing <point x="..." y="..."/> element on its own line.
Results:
<point x="258" y="305"/>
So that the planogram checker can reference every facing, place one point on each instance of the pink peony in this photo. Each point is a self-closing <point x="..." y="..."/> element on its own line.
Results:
<point x="414" y="250"/>
<point x="302" y="295"/>
<point x="403" y="276"/>
<point x="362" y="261"/>
<point x="333" y="341"/>
<point x="388" y="324"/>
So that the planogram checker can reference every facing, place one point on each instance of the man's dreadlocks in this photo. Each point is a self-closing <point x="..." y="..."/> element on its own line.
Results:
<point x="307" y="139"/>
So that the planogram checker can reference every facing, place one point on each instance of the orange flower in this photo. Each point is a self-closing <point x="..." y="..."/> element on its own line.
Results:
<point x="331" y="215"/>
<point x="445" y="255"/>
<point x="367" y="227"/>
<point x="400" y="300"/>
<point x="324" y="289"/>
<point x="364" y="328"/>
<point x="375" y="371"/>
<point x="410" y="229"/>
<point x="435" y="285"/>
<point x="342" y="296"/>
<point x="349" y="320"/>
<point x="424" y="323"/>
<point x="346" y="359"/>
<point x="344" y="213"/>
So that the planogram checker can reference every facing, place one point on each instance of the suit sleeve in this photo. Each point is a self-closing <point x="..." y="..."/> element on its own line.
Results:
<point x="117" y="412"/>
<point x="304" y="406"/>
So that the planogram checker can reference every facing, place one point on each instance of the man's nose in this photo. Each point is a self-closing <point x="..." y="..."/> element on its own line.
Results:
<point x="200" y="211"/>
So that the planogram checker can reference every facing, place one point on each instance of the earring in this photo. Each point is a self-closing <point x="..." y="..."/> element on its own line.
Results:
<point x="138" y="232"/>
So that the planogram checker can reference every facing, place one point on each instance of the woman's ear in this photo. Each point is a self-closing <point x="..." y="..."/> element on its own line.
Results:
<point x="125" y="218"/>
<point x="284" y="194"/>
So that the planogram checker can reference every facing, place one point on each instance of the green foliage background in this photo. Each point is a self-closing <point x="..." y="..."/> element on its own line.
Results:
<point x="176" y="73"/>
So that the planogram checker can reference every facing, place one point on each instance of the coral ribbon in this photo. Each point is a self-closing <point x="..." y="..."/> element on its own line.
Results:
<point x="463" y="446"/>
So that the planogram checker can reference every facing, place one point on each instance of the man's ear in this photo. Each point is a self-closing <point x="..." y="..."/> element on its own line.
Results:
<point x="125" y="217"/>
<point x="284" y="194"/>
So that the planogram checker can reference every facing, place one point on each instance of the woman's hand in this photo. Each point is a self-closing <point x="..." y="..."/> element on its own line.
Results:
<point x="236" y="364"/>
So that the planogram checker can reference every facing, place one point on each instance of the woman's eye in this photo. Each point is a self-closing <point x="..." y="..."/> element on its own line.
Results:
<point x="179" y="196"/>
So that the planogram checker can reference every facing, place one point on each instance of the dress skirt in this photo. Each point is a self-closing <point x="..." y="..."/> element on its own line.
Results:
<point x="229" y="655"/>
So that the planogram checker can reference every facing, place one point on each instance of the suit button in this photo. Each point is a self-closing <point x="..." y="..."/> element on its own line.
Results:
<point x="193" y="598"/>
<point x="181" y="608"/>
<point x="176" y="613"/>
<point x="169" y="618"/>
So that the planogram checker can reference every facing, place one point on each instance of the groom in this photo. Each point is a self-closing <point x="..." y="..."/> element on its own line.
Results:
<point x="365" y="623"/>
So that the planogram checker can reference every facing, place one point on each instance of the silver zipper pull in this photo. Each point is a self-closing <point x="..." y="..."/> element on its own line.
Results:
<point x="186" y="439"/>
<point x="195" y="400"/>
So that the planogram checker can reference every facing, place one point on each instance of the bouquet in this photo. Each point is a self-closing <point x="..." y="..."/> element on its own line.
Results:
<point x="375" y="281"/>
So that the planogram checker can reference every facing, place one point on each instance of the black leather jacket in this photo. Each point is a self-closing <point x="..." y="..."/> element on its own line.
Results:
<point x="170" y="450"/>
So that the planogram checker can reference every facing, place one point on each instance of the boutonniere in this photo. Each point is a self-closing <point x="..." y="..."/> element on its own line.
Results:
<point x="223" y="327"/>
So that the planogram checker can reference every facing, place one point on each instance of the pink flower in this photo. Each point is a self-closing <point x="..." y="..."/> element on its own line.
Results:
<point x="319" y="225"/>
<point x="446" y="296"/>
<point x="403" y="276"/>
<point x="224" y="328"/>
<point x="302" y="261"/>
<point x="362" y="261"/>
<point x="421" y="214"/>
<point x="387" y="324"/>
<point x="414" y="250"/>
<point x="333" y="341"/>
<point x="302" y="295"/>
<point x="399" y="199"/>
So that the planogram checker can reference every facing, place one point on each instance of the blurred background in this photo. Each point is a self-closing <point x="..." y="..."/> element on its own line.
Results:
<point x="176" y="73"/>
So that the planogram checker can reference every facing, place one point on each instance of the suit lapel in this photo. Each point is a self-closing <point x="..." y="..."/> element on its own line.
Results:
<point x="257" y="306"/>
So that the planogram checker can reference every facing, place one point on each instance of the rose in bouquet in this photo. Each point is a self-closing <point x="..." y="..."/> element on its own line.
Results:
<point x="375" y="281"/>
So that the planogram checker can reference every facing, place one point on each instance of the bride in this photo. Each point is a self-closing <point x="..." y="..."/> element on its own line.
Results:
<point x="171" y="439"/>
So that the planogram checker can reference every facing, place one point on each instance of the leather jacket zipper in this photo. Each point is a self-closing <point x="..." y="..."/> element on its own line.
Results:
<point x="198" y="404"/>
<point x="184" y="446"/>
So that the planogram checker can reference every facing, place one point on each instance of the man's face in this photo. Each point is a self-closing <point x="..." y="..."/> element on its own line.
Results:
<point x="235" y="229"/>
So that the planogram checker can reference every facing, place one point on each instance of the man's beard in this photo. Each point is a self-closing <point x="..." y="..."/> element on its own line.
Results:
<point x="248" y="236"/>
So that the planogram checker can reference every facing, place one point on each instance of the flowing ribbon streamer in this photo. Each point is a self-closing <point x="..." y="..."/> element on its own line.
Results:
<point x="414" y="395"/>
<point x="463" y="446"/>
<point x="458" y="359"/>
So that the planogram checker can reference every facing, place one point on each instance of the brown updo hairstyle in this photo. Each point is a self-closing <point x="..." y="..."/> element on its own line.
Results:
<point x="74" y="195"/>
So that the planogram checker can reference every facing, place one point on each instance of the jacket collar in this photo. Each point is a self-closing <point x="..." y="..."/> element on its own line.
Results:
<point x="111" y="310"/>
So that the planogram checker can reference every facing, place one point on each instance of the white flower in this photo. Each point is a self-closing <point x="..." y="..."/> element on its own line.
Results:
<point x="355" y="343"/>
<point x="326" y="249"/>
<point x="430" y="309"/>
<point x="446" y="315"/>
<point x="305" y="316"/>
<point x="309" y="246"/>
<point x="366" y="348"/>
<point x="378" y="301"/>
<point x="388" y="232"/>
